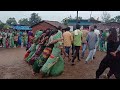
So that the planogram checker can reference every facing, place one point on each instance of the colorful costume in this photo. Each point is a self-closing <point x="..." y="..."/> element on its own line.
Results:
<point x="55" y="63"/>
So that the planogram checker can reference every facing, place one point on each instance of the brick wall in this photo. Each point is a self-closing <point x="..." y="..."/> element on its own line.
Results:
<point x="42" y="26"/>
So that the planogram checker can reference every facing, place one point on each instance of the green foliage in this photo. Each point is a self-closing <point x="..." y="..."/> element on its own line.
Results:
<point x="24" y="21"/>
<point x="1" y="25"/>
<point x="106" y="17"/>
<point x="34" y="19"/>
<point x="92" y="18"/>
<point x="65" y="20"/>
<point x="6" y="26"/>
<point x="11" y="21"/>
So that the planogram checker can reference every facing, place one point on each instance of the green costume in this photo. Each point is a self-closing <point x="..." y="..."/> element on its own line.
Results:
<point x="25" y="38"/>
<point x="32" y="50"/>
<point x="11" y="39"/>
<point x="55" y="64"/>
<point x="4" y="39"/>
<point x="34" y="47"/>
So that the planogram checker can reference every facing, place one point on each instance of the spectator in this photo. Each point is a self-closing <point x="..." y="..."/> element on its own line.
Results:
<point x="77" y="41"/>
<point x="67" y="41"/>
<point x="91" y="41"/>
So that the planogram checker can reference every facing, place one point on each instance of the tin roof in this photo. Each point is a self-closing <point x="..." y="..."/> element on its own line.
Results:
<point x="21" y="27"/>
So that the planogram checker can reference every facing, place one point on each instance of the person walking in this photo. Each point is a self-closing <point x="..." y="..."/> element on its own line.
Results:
<point x="91" y="41"/>
<point x="110" y="61"/>
<point x="77" y="41"/>
<point x="97" y="32"/>
<point x="16" y="40"/>
<point x="84" y="43"/>
<point x="1" y="38"/>
<point x="67" y="41"/>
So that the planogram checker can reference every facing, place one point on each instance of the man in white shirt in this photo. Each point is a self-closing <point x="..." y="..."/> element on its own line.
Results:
<point x="97" y="32"/>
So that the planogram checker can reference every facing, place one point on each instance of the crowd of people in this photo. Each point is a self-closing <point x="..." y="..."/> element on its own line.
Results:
<point x="13" y="38"/>
<point x="45" y="53"/>
<point x="47" y="49"/>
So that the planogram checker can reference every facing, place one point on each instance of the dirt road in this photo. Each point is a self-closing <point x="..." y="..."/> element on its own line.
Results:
<point x="12" y="66"/>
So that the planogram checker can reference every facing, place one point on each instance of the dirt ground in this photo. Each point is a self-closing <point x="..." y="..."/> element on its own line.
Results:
<point x="12" y="66"/>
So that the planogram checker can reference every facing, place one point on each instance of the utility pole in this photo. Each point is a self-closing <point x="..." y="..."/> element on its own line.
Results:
<point x="90" y="14"/>
<point x="77" y="17"/>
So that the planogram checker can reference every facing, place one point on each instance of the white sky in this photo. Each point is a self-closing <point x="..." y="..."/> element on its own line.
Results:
<point x="53" y="15"/>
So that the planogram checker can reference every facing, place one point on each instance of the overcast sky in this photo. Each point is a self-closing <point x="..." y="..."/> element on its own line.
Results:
<point x="53" y="15"/>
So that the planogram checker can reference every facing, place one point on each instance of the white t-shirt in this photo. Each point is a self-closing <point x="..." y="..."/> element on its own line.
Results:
<point x="97" y="32"/>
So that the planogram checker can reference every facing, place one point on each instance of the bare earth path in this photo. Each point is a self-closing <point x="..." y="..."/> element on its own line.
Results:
<point x="12" y="66"/>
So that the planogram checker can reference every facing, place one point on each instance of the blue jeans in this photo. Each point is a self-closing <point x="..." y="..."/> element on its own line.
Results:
<point x="67" y="49"/>
<point x="84" y="46"/>
<point x="90" y="55"/>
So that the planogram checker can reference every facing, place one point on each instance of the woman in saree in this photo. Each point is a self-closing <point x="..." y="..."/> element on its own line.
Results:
<point x="55" y="64"/>
<point x="25" y="38"/>
<point x="39" y="62"/>
<point x="29" y="45"/>
<point x="35" y="46"/>
<point x="30" y="38"/>
<point x="11" y="39"/>
<point x="41" y="45"/>
<point x="18" y="38"/>
<point x="4" y="38"/>
<point x="21" y="34"/>
<point x="0" y="38"/>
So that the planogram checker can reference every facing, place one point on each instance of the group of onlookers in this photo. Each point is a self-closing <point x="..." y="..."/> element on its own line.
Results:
<point x="13" y="38"/>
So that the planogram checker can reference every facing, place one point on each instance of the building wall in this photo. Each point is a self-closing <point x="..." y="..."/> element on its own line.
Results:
<point x="42" y="26"/>
<point x="82" y="23"/>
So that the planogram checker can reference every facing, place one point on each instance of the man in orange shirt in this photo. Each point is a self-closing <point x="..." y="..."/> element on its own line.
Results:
<point x="67" y="41"/>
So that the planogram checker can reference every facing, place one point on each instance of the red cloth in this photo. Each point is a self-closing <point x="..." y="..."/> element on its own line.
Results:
<point x="7" y="44"/>
<point x="26" y="55"/>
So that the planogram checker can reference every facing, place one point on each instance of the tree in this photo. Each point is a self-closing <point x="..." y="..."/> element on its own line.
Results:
<point x="106" y="17"/>
<point x="92" y="18"/>
<point x="79" y="18"/>
<point x="6" y="26"/>
<point x="11" y="21"/>
<point x="1" y="25"/>
<point x="65" y="21"/>
<point x="34" y="19"/>
<point x="117" y="19"/>
<point x="112" y="20"/>
<point x="70" y="17"/>
<point x="24" y="21"/>
<point x="1" y="22"/>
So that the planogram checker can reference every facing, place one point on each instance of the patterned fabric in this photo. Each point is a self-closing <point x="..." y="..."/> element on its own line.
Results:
<point x="26" y="55"/>
<point x="39" y="49"/>
<point x="33" y="49"/>
<point x="53" y="59"/>
<point x="42" y="59"/>
<point x="29" y="41"/>
<point x="36" y="55"/>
